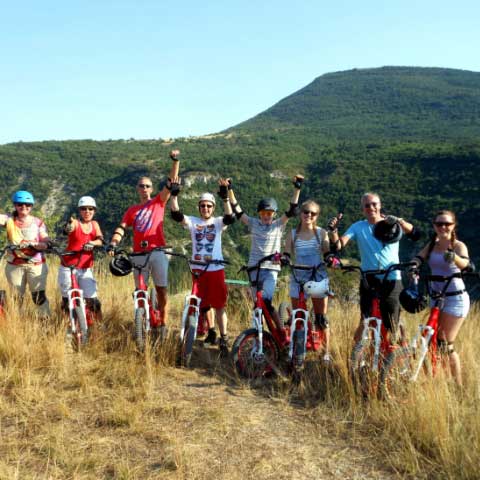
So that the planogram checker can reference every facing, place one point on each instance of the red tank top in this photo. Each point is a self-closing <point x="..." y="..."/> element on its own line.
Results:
<point x="76" y="240"/>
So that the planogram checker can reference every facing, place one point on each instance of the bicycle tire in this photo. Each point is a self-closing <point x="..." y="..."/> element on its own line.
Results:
<point x="140" y="318"/>
<point x="153" y="298"/>
<point x="365" y="381"/>
<point x="284" y="313"/>
<point x="299" y="352"/>
<point x="396" y="374"/>
<point x="81" y="336"/>
<point x="249" y="366"/>
<point x="188" y="341"/>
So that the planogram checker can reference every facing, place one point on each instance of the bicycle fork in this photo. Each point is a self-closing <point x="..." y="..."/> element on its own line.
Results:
<point x="376" y="330"/>
<point x="75" y="299"/>
<point x="191" y="309"/>
<point x="257" y="323"/>
<point x="425" y="333"/>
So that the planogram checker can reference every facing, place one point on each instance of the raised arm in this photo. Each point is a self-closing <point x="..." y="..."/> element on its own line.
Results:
<point x="228" y="217"/>
<point x="174" y="169"/>
<point x="237" y="210"/>
<point x="292" y="211"/>
<point x="336" y="242"/>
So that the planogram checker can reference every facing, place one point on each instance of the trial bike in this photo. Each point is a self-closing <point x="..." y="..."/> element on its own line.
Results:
<point x="403" y="366"/>
<point x="191" y="314"/>
<point x="376" y="342"/>
<point x="304" y="336"/>
<point x="148" y="321"/>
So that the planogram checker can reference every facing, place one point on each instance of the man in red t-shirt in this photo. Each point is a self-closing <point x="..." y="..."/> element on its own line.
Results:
<point x="146" y="220"/>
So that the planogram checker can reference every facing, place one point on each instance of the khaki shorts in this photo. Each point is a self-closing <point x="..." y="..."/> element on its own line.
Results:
<point x="85" y="279"/>
<point x="157" y="265"/>
<point x="32" y="274"/>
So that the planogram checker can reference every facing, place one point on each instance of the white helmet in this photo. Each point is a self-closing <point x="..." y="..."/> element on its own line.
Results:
<point x="317" y="289"/>
<point x="87" y="202"/>
<point x="207" y="197"/>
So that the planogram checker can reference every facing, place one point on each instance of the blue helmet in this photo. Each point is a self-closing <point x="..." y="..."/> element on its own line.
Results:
<point x="22" y="196"/>
<point x="267" y="204"/>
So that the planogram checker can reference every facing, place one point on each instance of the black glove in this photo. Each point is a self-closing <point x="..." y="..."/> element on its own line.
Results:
<point x="174" y="188"/>
<point x="391" y="220"/>
<point x="297" y="183"/>
<point x="285" y="259"/>
<point x="223" y="192"/>
<point x="332" y="224"/>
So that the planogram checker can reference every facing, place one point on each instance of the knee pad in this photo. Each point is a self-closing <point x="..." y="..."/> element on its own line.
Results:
<point x="321" y="321"/>
<point x="94" y="304"/>
<point x="64" y="305"/>
<point x="39" y="298"/>
<point x="444" y="347"/>
<point x="268" y="304"/>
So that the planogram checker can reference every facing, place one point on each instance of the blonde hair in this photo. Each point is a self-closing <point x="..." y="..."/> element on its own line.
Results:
<point x="434" y="237"/>
<point x="313" y="205"/>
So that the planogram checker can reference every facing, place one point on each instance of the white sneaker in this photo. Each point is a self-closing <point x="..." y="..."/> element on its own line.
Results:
<point x="327" y="359"/>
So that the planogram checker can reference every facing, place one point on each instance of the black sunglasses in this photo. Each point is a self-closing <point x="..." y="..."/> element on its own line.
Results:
<point x="205" y="205"/>
<point x="144" y="185"/>
<point x="371" y="204"/>
<point x="89" y="209"/>
<point x="309" y="212"/>
<point x="443" y="224"/>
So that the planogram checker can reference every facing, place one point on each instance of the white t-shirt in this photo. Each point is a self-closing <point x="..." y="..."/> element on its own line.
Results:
<point x="206" y="239"/>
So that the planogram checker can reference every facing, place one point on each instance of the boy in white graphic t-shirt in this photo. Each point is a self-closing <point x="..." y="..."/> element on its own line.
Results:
<point x="206" y="232"/>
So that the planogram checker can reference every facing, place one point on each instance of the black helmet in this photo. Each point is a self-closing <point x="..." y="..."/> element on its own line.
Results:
<point x="120" y="265"/>
<point x="267" y="204"/>
<point x="412" y="300"/>
<point x="387" y="233"/>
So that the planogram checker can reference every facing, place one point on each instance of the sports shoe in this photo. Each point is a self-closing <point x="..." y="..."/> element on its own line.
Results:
<point x="223" y="345"/>
<point x="327" y="359"/>
<point x="211" y="338"/>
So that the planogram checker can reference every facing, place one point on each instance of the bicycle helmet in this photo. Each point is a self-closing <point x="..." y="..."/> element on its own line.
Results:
<point x="387" y="233"/>
<point x="412" y="300"/>
<point x="87" y="202"/>
<point x="22" y="196"/>
<point x="317" y="289"/>
<point x="207" y="197"/>
<point x="120" y="265"/>
<point x="267" y="204"/>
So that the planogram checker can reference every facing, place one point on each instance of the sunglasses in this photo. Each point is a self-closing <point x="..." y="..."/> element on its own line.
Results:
<point x="205" y="205"/>
<point x="144" y="185"/>
<point x="267" y="213"/>
<point x="443" y="224"/>
<point x="23" y="205"/>
<point x="309" y="212"/>
<point x="87" y="209"/>
<point x="371" y="204"/>
<point x="208" y="247"/>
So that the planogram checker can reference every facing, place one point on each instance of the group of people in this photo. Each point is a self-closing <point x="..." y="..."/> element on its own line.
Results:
<point x="306" y="244"/>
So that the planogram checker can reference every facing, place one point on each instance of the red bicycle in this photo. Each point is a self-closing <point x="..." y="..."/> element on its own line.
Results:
<point x="403" y="366"/>
<point x="376" y="344"/>
<point x="305" y="336"/>
<point x="191" y="323"/>
<point x="80" y="315"/>
<point x="149" y="322"/>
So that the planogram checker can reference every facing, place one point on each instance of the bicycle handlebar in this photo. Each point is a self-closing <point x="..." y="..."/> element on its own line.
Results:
<point x="274" y="256"/>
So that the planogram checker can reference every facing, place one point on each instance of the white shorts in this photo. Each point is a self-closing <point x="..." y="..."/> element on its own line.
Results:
<point x="456" y="305"/>
<point x="85" y="278"/>
<point x="157" y="265"/>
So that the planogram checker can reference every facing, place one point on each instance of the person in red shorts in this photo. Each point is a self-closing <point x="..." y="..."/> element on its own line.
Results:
<point x="206" y="232"/>
<point x="84" y="234"/>
<point x="146" y="220"/>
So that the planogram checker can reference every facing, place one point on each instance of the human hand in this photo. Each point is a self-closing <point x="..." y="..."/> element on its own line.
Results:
<point x="223" y="189"/>
<point x="391" y="220"/>
<point x="111" y="250"/>
<point x="174" y="185"/>
<point x="449" y="256"/>
<point x="174" y="154"/>
<point x="297" y="181"/>
<point x="332" y="224"/>
<point x="285" y="259"/>
<point x="88" y="247"/>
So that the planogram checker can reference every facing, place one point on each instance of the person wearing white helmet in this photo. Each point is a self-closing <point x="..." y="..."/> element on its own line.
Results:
<point x="206" y="232"/>
<point x="146" y="221"/>
<point x="84" y="234"/>
<point x="27" y="265"/>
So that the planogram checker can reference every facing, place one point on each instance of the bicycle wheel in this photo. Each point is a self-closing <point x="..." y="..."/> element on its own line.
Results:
<point x="81" y="335"/>
<point x="284" y="312"/>
<point x="396" y="374"/>
<point x="298" y="354"/>
<point x="365" y="381"/>
<point x="140" y="319"/>
<point x="248" y="362"/>
<point x="188" y="341"/>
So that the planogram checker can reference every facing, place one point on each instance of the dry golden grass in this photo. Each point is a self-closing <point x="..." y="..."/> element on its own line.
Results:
<point x="114" y="414"/>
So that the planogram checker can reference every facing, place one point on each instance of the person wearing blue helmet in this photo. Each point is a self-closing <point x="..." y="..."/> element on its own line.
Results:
<point x="26" y="264"/>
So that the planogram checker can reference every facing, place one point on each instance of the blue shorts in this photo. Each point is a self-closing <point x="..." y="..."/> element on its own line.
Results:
<point x="304" y="276"/>
<point x="267" y="281"/>
<point x="456" y="305"/>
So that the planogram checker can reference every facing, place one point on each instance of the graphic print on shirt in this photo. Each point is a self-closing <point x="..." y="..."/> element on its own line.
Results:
<point x="143" y="220"/>
<point x="204" y="241"/>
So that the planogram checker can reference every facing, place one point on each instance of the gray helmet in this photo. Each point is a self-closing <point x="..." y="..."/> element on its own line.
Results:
<point x="387" y="233"/>
<point x="267" y="204"/>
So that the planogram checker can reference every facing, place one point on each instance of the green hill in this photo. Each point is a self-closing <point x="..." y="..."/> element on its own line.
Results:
<point x="387" y="103"/>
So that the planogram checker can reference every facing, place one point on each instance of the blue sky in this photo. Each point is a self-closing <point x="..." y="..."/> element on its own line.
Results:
<point x="155" y="69"/>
